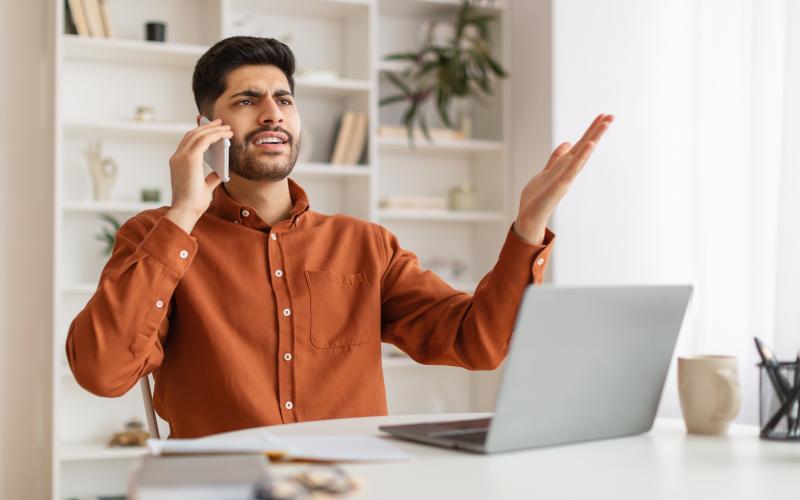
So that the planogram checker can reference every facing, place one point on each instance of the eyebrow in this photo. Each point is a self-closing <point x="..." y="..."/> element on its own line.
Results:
<point x="258" y="93"/>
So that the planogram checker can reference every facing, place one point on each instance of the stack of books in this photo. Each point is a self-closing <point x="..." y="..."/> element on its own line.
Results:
<point x="350" y="139"/>
<point x="87" y="18"/>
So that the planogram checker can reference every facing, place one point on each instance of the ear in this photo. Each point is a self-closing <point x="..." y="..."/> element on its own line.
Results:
<point x="197" y="119"/>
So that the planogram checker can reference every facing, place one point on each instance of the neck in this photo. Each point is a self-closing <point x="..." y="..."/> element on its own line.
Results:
<point x="270" y="199"/>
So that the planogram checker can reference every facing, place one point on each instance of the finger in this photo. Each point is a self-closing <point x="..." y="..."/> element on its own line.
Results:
<point x="205" y="139"/>
<point x="580" y="159"/>
<point x="587" y="134"/>
<point x="560" y="151"/>
<point x="596" y="129"/>
<point x="213" y="180"/>
<point x="601" y="128"/>
<point x="192" y="135"/>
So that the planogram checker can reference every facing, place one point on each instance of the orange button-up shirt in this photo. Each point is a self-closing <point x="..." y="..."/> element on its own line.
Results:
<point x="247" y="325"/>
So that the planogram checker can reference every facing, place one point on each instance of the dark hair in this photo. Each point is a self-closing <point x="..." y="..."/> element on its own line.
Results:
<point x="208" y="81"/>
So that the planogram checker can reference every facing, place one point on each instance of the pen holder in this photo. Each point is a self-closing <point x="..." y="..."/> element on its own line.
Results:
<point x="779" y="414"/>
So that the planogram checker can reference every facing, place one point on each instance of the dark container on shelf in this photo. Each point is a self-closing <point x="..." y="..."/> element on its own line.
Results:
<point x="155" y="31"/>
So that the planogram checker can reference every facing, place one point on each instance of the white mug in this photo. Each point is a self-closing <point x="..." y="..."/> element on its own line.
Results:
<point x="708" y="387"/>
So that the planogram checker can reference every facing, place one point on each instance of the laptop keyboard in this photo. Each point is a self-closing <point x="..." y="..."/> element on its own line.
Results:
<point x="475" y="437"/>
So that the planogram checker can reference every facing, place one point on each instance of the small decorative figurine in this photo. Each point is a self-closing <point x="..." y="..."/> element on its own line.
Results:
<point x="133" y="435"/>
<point x="103" y="171"/>
<point x="151" y="194"/>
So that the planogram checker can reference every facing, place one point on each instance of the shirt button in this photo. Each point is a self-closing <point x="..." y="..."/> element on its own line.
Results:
<point x="184" y="254"/>
<point x="279" y="273"/>
<point x="540" y="261"/>
<point x="289" y="405"/>
<point x="287" y="356"/>
<point x="159" y="304"/>
<point x="287" y="312"/>
<point x="245" y="213"/>
<point x="236" y="222"/>
<point x="273" y="236"/>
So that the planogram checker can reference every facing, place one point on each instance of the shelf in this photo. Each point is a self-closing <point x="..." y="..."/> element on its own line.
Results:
<point x="127" y="128"/>
<point x="440" y="215"/>
<point x="321" y="169"/>
<point x="174" y="54"/>
<point x="445" y="146"/>
<point x="121" y="51"/>
<point x="330" y="9"/>
<point x="120" y="207"/>
<point x="98" y="451"/>
<point x="431" y="8"/>
<point x="329" y="87"/>
<point x="394" y="66"/>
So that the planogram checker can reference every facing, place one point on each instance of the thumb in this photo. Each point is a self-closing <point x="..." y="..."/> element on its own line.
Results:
<point x="213" y="180"/>
<point x="560" y="151"/>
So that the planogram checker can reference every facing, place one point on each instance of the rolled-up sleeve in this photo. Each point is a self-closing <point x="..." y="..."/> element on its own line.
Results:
<point x="436" y="324"/>
<point x="117" y="337"/>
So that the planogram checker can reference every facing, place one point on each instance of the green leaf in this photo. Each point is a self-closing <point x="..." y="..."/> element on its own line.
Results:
<point x="398" y="82"/>
<point x="496" y="68"/>
<point x="392" y="99"/>
<point x="402" y="56"/>
<point x="423" y="124"/>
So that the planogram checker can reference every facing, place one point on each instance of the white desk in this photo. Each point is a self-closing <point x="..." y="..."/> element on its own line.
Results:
<point x="665" y="463"/>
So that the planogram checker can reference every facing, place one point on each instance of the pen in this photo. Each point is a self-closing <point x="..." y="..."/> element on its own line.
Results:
<point x="779" y="383"/>
<point x="796" y="386"/>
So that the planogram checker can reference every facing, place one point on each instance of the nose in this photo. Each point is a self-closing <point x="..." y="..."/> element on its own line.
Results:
<point x="270" y="113"/>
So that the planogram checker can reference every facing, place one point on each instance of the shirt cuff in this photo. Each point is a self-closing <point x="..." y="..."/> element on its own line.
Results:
<point x="523" y="259"/>
<point x="170" y="245"/>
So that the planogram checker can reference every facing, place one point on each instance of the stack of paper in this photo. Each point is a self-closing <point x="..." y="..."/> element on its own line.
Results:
<point x="204" y="477"/>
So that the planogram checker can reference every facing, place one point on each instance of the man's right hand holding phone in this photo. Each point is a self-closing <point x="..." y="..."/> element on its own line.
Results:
<point x="191" y="188"/>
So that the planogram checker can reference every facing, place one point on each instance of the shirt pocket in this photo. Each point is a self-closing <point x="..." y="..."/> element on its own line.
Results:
<point x="341" y="309"/>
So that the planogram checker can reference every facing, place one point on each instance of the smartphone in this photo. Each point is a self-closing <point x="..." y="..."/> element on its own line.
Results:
<point x="216" y="156"/>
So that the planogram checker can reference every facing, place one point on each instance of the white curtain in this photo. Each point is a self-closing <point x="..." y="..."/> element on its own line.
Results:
<point x="748" y="183"/>
<point x="698" y="180"/>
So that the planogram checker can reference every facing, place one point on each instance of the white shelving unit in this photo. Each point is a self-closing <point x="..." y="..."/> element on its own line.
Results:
<point x="101" y="81"/>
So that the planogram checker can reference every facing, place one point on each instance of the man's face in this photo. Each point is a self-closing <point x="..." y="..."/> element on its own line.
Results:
<point x="259" y="107"/>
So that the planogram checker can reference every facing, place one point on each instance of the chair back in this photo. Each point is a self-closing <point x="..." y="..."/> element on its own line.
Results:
<point x="147" y="396"/>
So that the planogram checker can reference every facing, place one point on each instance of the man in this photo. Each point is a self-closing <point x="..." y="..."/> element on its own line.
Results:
<point x="251" y="309"/>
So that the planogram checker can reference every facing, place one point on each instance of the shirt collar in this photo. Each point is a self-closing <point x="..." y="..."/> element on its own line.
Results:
<point x="225" y="207"/>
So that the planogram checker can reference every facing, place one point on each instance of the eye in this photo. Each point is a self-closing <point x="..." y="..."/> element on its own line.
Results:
<point x="244" y="100"/>
<point x="285" y="101"/>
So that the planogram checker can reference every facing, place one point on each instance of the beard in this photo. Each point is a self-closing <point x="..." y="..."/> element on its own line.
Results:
<point x="248" y="162"/>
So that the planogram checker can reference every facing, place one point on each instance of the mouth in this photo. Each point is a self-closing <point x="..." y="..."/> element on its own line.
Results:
<point x="270" y="146"/>
<point x="271" y="141"/>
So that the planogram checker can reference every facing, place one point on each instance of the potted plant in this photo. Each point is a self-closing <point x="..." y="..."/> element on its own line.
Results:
<point x="108" y="233"/>
<point x="454" y="63"/>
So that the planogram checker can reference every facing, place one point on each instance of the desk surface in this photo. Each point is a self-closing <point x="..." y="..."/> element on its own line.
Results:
<point x="665" y="463"/>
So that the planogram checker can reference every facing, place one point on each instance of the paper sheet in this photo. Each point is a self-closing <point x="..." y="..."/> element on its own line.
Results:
<point x="342" y="449"/>
<point x="362" y="448"/>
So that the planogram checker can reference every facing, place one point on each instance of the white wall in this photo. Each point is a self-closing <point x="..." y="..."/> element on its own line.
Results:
<point x="25" y="251"/>
<point x="668" y="196"/>
<point x="628" y="218"/>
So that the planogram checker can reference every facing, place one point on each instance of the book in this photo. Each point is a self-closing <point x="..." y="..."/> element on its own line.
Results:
<point x="106" y="19"/>
<point x="342" y="138"/>
<point x="91" y="10"/>
<point x="233" y="476"/>
<point x="357" y="140"/>
<point x="78" y="17"/>
<point x="69" y="23"/>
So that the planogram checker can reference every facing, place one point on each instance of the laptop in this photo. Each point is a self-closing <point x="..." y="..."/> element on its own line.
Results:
<point x="584" y="363"/>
